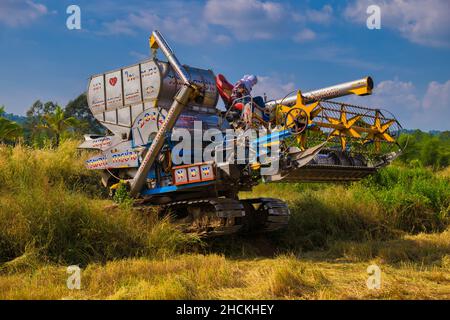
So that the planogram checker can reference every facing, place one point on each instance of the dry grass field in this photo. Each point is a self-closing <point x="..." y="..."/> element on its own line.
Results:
<point x="52" y="216"/>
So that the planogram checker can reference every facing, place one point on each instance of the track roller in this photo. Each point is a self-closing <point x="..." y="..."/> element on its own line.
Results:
<point x="265" y="214"/>
<point x="208" y="217"/>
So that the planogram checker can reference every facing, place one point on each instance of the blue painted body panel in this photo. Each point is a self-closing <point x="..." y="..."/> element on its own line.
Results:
<point x="167" y="189"/>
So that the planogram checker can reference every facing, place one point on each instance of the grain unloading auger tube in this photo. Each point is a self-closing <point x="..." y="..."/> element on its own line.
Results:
<point x="361" y="87"/>
<point x="187" y="92"/>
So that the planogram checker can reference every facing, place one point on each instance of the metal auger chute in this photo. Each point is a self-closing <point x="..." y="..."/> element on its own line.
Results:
<point x="180" y="100"/>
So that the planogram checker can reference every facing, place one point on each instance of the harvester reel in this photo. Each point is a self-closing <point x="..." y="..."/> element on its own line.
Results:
<point x="296" y="120"/>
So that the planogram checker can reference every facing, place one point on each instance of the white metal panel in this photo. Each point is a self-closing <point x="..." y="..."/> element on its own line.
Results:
<point x="124" y="116"/>
<point x="151" y="80"/>
<point x="122" y="156"/>
<point x="170" y="86"/>
<point x="100" y="143"/>
<point x="96" y="94"/>
<point x="132" y="85"/>
<point x="114" y="98"/>
<point x="136" y="110"/>
<point x="147" y="124"/>
<point x="111" y="116"/>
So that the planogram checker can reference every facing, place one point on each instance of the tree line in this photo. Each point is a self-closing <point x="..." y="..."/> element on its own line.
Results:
<point x="430" y="149"/>
<point x="47" y="123"/>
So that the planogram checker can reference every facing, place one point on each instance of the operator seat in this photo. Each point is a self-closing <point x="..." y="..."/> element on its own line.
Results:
<point x="225" y="88"/>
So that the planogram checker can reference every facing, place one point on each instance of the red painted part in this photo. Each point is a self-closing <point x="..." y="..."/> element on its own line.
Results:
<point x="225" y="88"/>
<point x="239" y="106"/>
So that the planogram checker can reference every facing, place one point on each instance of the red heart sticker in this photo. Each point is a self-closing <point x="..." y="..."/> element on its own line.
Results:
<point x="113" y="81"/>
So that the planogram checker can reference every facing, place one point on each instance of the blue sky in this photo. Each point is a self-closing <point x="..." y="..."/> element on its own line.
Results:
<point x="288" y="44"/>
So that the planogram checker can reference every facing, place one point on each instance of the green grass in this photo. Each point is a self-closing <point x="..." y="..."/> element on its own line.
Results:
<point x="54" y="213"/>
<point x="51" y="208"/>
<point x="394" y="202"/>
<point x="415" y="200"/>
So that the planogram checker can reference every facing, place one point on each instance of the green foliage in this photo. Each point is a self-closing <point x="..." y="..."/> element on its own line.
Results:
<point x="51" y="209"/>
<point x="48" y="123"/>
<point x="395" y="201"/>
<point x="415" y="200"/>
<point x="79" y="109"/>
<point x="430" y="149"/>
<point x="121" y="194"/>
<point x="9" y="130"/>
<point x="333" y="213"/>
<point x="57" y="123"/>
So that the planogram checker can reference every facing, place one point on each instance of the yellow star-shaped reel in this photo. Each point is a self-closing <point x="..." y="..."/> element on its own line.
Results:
<point x="379" y="133"/>
<point x="343" y="128"/>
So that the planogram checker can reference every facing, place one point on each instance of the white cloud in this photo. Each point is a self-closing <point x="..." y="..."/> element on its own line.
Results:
<point x="305" y="35"/>
<point x="421" y="22"/>
<point x="435" y="111"/>
<point x="181" y="29"/>
<point x="428" y="112"/>
<point x="118" y="27"/>
<point x="16" y="13"/>
<point x="323" y="16"/>
<point x="397" y="93"/>
<point x="256" y="19"/>
<point x="273" y="87"/>
<point x="222" y="39"/>
<point x="437" y="97"/>
<point x="246" y="19"/>
<point x="223" y="21"/>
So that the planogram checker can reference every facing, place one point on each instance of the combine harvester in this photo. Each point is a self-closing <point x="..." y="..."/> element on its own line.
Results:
<point x="307" y="136"/>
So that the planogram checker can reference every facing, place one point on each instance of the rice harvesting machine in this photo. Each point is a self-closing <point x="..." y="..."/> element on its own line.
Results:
<point x="303" y="137"/>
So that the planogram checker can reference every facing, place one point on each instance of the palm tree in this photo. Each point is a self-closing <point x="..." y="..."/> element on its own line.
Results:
<point x="9" y="130"/>
<point x="57" y="123"/>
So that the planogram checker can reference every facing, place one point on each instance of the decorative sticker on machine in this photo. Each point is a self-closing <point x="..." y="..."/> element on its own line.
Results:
<point x="124" y="159"/>
<point x="149" y="72"/>
<point x="97" y="95"/>
<point x="102" y="143"/>
<point x="194" y="174"/>
<point x="147" y="124"/>
<point x="131" y="85"/>
<point x="153" y="116"/>
<point x="97" y="162"/>
<point x="122" y="156"/>
<point x="114" y="97"/>
<point x="180" y="176"/>
<point x="207" y="172"/>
